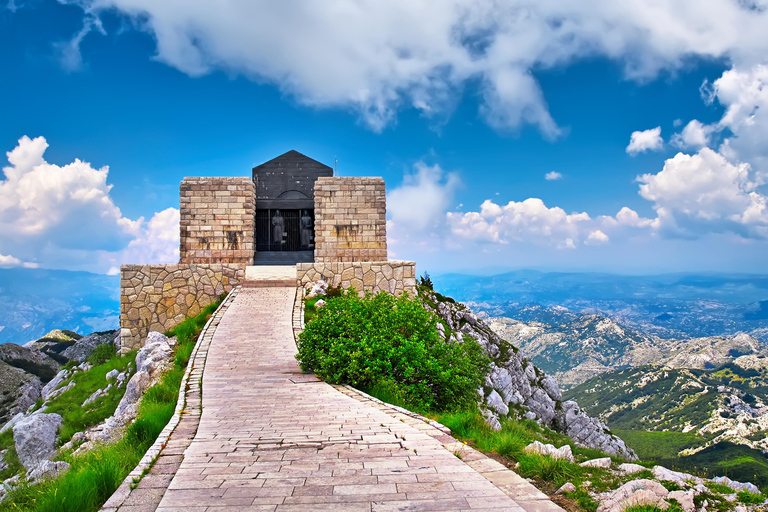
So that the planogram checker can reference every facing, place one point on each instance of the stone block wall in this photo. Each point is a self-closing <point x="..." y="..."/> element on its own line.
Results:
<point x="159" y="297"/>
<point x="217" y="220"/>
<point x="350" y="220"/>
<point x="390" y="276"/>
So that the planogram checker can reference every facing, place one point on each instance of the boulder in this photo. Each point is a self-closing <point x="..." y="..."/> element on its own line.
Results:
<point x="54" y="383"/>
<point x="496" y="403"/>
<point x="630" y="468"/>
<point x="85" y="346"/>
<point x="662" y="473"/>
<point x="685" y="498"/>
<point x="31" y="361"/>
<point x="566" y="487"/>
<point x="35" y="438"/>
<point x="564" y="452"/>
<point x="111" y="375"/>
<point x="603" y="462"/>
<point x="47" y="470"/>
<point x="18" y="390"/>
<point x="153" y="354"/>
<point x="635" y="493"/>
<point x="736" y="486"/>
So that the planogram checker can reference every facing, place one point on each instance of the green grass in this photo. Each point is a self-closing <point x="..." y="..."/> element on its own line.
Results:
<point x="750" y="498"/>
<point x="77" y="418"/>
<point x="659" y="445"/>
<point x="95" y="475"/>
<point x="10" y="458"/>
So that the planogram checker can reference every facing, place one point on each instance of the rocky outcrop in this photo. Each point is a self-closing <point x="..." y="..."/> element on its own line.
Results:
<point x="35" y="438"/>
<point x="84" y="347"/>
<point x="539" y="448"/>
<point x="635" y="493"/>
<point x="151" y="361"/>
<point x="514" y="385"/>
<point x="31" y="361"/>
<point x="18" y="390"/>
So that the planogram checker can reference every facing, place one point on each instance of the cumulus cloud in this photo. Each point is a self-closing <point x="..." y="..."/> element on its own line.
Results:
<point x="553" y="175"/>
<point x="525" y="221"/>
<point x="642" y="141"/>
<point x="378" y="57"/>
<point x="695" y="135"/>
<point x="694" y="194"/>
<point x="64" y="216"/>
<point x="7" y="261"/>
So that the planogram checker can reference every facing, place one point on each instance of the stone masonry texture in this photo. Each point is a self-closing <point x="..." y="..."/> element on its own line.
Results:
<point x="350" y="219"/>
<point x="217" y="220"/>
<point x="159" y="297"/>
<point x="391" y="276"/>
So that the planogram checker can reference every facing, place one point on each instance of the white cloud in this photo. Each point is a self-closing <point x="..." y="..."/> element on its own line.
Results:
<point x="64" y="216"/>
<point x="553" y="175"/>
<point x="377" y="57"/>
<point x="9" y="261"/>
<point x="525" y="221"/>
<point x="695" y="135"/>
<point x="696" y="194"/>
<point x="645" y="140"/>
<point x="596" y="237"/>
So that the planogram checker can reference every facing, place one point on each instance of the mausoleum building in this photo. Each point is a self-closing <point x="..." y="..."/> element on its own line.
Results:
<point x="292" y="212"/>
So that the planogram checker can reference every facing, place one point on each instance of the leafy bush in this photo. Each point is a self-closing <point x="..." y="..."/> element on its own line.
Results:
<point x="102" y="354"/>
<point x="750" y="498"/>
<point x="366" y="341"/>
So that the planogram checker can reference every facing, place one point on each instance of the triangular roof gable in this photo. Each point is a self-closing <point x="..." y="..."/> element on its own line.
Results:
<point x="295" y="161"/>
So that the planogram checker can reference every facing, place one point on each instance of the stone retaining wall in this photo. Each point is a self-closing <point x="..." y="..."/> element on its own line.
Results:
<point x="159" y="297"/>
<point x="390" y="276"/>
<point x="350" y="219"/>
<point x="217" y="222"/>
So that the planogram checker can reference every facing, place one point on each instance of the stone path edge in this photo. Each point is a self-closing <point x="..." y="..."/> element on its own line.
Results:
<point x="528" y="496"/>
<point x="123" y="492"/>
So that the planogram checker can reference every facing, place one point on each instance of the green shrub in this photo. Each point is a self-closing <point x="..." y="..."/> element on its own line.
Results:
<point x="364" y="341"/>
<point x="750" y="498"/>
<point x="542" y="467"/>
<point x="102" y="354"/>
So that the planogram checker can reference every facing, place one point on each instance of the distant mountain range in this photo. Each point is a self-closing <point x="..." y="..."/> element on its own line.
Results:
<point x="668" y="306"/>
<point x="575" y="347"/>
<point x="36" y="301"/>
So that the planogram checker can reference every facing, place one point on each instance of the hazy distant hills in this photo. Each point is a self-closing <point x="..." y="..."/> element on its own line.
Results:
<point x="575" y="348"/>
<point x="669" y="306"/>
<point x="36" y="301"/>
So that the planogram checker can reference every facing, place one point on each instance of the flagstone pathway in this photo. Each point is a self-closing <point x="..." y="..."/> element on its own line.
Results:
<point x="275" y="439"/>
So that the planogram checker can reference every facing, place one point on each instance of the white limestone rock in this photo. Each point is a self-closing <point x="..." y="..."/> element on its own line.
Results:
<point x="603" y="462"/>
<point x="564" y="452"/>
<point x="111" y="375"/>
<point x="662" y="473"/>
<point x="636" y="492"/>
<point x="566" y="487"/>
<point x="35" y="438"/>
<point x="496" y="403"/>
<point x="47" y="470"/>
<point x="516" y="380"/>
<point x="685" y="498"/>
<point x="54" y="383"/>
<point x="630" y="469"/>
<point x="736" y="486"/>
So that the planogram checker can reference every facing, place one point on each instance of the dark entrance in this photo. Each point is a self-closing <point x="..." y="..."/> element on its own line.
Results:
<point x="285" y="230"/>
<point x="285" y="217"/>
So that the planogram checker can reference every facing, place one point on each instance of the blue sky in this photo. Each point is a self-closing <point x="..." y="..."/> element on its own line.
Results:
<point x="159" y="90"/>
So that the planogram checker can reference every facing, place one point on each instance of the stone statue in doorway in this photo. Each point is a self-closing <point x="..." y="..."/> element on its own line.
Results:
<point x="278" y="227"/>
<point x="306" y="229"/>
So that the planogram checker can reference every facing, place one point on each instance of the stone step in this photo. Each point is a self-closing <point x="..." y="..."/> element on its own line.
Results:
<point x="270" y="283"/>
